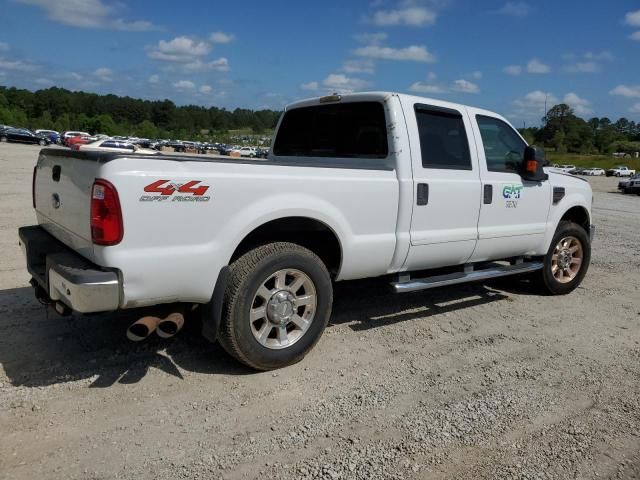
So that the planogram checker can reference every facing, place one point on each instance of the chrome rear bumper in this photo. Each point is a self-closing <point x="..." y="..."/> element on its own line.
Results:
<point x="66" y="276"/>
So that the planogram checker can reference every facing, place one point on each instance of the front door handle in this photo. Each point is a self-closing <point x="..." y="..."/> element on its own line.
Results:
<point x="423" y="194"/>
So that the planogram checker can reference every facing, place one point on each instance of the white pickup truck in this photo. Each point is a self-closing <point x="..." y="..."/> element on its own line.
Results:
<point x="620" y="172"/>
<point x="423" y="193"/>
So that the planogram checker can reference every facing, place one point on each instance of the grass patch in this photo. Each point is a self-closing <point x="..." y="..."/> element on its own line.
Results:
<point x="587" y="161"/>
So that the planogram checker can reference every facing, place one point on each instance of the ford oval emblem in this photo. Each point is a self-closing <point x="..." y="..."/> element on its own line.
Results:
<point x="55" y="201"/>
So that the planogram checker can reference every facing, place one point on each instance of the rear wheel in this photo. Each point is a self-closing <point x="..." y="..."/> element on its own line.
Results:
<point x="276" y="306"/>
<point x="567" y="260"/>
<point x="42" y="143"/>
<point x="3" y="139"/>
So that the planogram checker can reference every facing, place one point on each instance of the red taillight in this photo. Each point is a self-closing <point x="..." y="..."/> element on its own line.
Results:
<point x="106" y="215"/>
<point x="33" y="187"/>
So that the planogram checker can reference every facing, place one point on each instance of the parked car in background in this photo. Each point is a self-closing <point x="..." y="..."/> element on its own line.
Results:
<point x="593" y="171"/>
<point x="22" y="135"/>
<point x="633" y="186"/>
<point x="71" y="134"/>
<point x="117" y="146"/>
<point x="250" y="152"/>
<point x="624" y="184"/>
<point x="620" y="171"/>
<point x="50" y="134"/>
<point x="78" y="140"/>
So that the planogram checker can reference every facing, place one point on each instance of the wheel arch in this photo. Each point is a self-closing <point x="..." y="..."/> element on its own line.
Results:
<point x="305" y="231"/>
<point x="579" y="215"/>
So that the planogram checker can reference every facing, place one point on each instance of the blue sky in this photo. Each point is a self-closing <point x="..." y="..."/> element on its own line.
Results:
<point x="506" y="56"/>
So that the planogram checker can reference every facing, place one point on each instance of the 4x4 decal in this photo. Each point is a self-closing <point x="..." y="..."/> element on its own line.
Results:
<point x="191" y="191"/>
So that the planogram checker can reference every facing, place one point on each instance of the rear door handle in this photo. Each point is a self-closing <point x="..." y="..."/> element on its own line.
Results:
<point x="423" y="194"/>
<point x="488" y="194"/>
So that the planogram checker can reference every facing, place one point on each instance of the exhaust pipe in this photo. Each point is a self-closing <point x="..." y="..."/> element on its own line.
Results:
<point x="142" y="328"/>
<point x="171" y="325"/>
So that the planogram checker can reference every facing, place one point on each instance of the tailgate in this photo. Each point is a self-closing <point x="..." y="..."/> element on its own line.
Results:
<point x="63" y="196"/>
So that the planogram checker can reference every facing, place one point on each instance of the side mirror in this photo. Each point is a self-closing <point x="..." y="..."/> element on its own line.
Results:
<point x="532" y="163"/>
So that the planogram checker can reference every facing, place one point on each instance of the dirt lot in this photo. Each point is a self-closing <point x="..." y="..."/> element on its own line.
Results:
<point x="479" y="381"/>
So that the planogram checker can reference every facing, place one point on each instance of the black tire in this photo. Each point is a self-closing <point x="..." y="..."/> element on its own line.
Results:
<point x="545" y="278"/>
<point x="246" y="275"/>
<point x="42" y="143"/>
<point x="3" y="139"/>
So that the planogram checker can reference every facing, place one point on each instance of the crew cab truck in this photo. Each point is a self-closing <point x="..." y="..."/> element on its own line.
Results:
<point x="420" y="192"/>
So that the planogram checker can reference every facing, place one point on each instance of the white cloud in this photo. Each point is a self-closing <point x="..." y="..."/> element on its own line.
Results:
<point x="536" y="66"/>
<point x="514" y="9"/>
<point x="477" y="75"/>
<point x="184" y="85"/>
<point x="581" y="106"/>
<point x="412" y="16"/>
<point x="512" y="69"/>
<point x="635" y="108"/>
<point x="583" y="67"/>
<point x="89" y="14"/>
<point x="429" y="88"/>
<point x="154" y="78"/>
<point x="431" y="76"/>
<point x="43" y="81"/>
<point x="460" y="86"/>
<point x="371" y="38"/>
<point x="358" y="66"/>
<point x="4" y="46"/>
<point x="635" y="35"/>
<point x="536" y="100"/>
<point x="205" y="89"/>
<point x="633" y="18"/>
<point x="221" y="37"/>
<point x="71" y="76"/>
<point x="104" y="74"/>
<point x="464" y="86"/>
<point x="340" y="83"/>
<point x="180" y="49"/>
<point x="197" y="65"/>
<point x="413" y="53"/>
<point x="311" y="86"/>
<point x="598" y="56"/>
<point x="626" y="91"/>
<point x="17" y="65"/>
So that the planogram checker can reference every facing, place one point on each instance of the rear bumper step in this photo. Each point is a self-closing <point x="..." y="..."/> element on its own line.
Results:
<point x="65" y="276"/>
<point x="417" y="284"/>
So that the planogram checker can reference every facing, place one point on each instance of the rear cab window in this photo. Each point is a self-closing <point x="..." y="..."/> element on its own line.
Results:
<point x="338" y="130"/>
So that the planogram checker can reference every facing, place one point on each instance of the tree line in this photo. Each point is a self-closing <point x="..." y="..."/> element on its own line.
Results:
<point x="565" y="132"/>
<point x="60" y="109"/>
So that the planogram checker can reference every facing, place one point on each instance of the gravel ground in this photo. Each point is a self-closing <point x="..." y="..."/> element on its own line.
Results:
<point x="478" y="381"/>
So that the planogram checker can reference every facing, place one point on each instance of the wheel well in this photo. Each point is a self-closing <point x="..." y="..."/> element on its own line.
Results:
<point x="307" y="232"/>
<point x="578" y="215"/>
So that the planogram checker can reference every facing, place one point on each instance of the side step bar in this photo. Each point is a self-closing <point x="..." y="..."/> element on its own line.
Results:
<point x="464" y="277"/>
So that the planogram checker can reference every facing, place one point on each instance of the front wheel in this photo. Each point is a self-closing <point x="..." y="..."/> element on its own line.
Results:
<point x="42" y="143"/>
<point x="567" y="261"/>
<point x="277" y="304"/>
<point x="3" y="139"/>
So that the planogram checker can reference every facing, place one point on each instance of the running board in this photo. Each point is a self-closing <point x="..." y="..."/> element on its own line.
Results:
<point x="464" y="277"/>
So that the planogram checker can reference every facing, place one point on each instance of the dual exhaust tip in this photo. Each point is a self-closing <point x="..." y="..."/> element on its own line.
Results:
<point x="164" y="327"/>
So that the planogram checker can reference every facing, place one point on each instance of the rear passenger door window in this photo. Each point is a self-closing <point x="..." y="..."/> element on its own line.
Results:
<point x="443" y="139"/>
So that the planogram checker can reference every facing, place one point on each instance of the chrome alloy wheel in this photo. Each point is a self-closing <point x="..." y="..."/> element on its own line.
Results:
<point x="567" y="259"/>
<point x="283" y="308"/>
